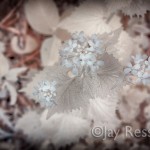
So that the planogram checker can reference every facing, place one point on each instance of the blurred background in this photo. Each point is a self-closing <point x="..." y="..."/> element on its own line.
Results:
<point x="31" y="33"/>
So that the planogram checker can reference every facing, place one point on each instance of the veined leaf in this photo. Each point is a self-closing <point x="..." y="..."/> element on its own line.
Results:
<point x="74" y="93"/>
<point x="109" y="79"/>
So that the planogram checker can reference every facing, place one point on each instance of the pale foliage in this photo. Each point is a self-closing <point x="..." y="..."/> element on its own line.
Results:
<point x="50" y="51"/>
<point x="147" y="115"/>
<point x="138" y="30"/>
<point x="60" y="129"/>
<point x="65" y="128"/>
<point x="130" y="104"/>
<point x="85" y="100"/>
<point x="2" y="47"/>
<point x="3" y="92"/>
<point x="103" y="112"/>
<point x="147" y="112"/>
<point x="8" y="77"/>
<point x="125" y="47"/>
<point x="30" y="124"/>
<point x="73" y="93"/>
<point x="4" y="68"/>
<point x="138" y="8"/>
<point x="128" y="7"/>
<point x="115" y="5"/>
<point x="90" y="18"/>
<point x="12" y="92"/>
<point x="4" y="118"/>
<point x="42" y="15"/>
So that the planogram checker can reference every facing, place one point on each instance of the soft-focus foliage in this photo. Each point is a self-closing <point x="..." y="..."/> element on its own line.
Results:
<point x="42" y="15"/>
<point x="2" y="47"/>
<point x="103" y="112"/>
<point x="133" y="98"/>
<point x="93" y="21"/>
<point x="50" y="51"/>
<point x="8" y="77"/>
<point x="82" y="51"/>
<point x="60" y="128"/>
<point x="128" y="7"/>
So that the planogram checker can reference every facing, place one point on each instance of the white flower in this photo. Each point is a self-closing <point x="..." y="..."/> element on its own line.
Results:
<point x="139" y="69"/>
<point x="143" y="77"/>
<point x="139" y="58"/>
<point x="131" y="69"/>
<point x="82" y="53"/>
<point x="45" y="93"/>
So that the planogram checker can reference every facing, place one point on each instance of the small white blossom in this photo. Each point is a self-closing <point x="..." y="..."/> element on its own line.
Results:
<point x="45" y="92"/>
<point x="131" y="69"/>
<point x="82" y="54"/>
<point x="139" y="69"/>
<point x="139" y="58"/>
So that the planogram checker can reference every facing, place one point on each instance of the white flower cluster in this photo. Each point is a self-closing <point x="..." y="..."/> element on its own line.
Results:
<point x="46" y="93"/>
<point x="82" y="54"/>
<point x="139" y="69"/>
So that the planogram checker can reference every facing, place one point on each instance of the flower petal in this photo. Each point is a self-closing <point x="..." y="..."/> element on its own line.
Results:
<point x="127" y="70"/>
